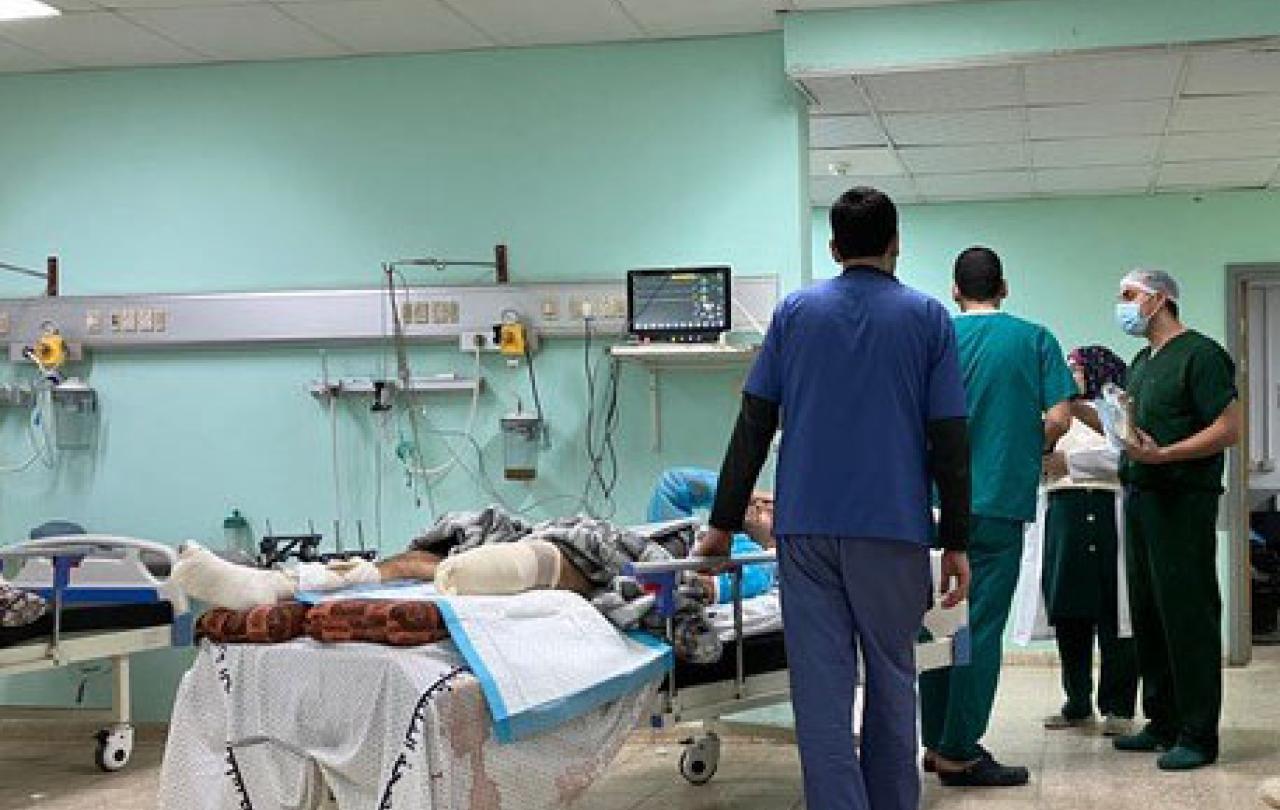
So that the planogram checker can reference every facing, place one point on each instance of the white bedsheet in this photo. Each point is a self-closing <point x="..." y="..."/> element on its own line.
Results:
<point x="275" y="727"/>
<point x="760" y="614"/>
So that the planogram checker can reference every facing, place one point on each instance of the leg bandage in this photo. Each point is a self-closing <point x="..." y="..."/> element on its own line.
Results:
<point x="503" y="568"/>
<point x="209" y="578"/>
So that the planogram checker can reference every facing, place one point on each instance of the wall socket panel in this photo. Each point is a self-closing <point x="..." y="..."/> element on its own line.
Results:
<point x="468" y="341"/>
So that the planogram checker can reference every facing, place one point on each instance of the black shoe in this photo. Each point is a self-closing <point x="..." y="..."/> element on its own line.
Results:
<point x="986" y="772"/>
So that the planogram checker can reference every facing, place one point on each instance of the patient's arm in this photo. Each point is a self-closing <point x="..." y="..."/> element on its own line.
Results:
<point x="414" y="565"/>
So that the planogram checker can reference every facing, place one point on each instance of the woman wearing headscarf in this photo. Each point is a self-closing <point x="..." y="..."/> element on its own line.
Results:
<point x="1083" y="578"/>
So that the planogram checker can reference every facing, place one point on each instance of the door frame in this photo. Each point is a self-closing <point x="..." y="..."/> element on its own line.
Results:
<point x="1240" y="586"/>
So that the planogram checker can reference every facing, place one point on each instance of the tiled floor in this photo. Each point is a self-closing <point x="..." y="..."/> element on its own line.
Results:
<point x="1069" y="769"/>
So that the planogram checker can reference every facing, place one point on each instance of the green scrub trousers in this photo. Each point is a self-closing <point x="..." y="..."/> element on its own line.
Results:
<point x="955" y="703"/>
<point x="1177" y="612"/>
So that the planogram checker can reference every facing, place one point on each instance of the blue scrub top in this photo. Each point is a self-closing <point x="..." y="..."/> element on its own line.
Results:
<point x="859" y="365"/>
<point x="683" y="490"/>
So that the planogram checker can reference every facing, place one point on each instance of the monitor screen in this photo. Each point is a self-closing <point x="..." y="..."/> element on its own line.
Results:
<point x="678" y="301"/>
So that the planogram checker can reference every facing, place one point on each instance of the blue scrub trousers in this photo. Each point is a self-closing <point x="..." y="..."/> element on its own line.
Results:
<point x="841" y="595"/>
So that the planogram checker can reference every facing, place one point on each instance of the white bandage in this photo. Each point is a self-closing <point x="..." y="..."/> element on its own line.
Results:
<point x="503" y="568"/>
<point x="209" y="578"/>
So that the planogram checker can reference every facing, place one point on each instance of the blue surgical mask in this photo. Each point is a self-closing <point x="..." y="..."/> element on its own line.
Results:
<point x="1130" y="318"/>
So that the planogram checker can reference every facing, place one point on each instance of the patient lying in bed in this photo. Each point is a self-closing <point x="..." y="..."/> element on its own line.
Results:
<point x="491" y="552"/>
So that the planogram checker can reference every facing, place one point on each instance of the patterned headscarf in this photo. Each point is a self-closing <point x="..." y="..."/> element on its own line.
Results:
<point x="1101" y="366"/>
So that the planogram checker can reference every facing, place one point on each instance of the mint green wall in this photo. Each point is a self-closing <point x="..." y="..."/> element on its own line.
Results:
<point x="899" y="36"/>
<point x="586" y="161"/>
<point x="1063" y="258"/>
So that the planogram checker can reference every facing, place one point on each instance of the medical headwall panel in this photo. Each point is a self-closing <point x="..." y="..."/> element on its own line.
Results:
<point x="317" y="316"/>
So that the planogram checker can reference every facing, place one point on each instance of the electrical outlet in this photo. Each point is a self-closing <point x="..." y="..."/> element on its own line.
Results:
<point x="421" y="312"/>
<point x="550" y="309"/>
<point x="578" y="308"/>
<point x="117" y="321"/>
<point x="93" y="322"/>
<point x="406" y="312"/>
<point x="4" y="324"/>
<point x="129" y="320"/>
<point x="159" y="319"/>
<point x="145" y="322"/>
<point x="468" y="341"/>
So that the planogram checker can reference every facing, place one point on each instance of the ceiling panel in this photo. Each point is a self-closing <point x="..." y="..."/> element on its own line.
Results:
<point x="835" y="94"/>
<point x="935" y="129"/>
<point x="806" y="5"/>
<point x="236" y="32"/>
<point x="521" y="22"/>
<point x="824" y="190"/>
<point x="74" y="5"/>
<point x="96" y="39"/>
<point x="1218" y="113"/>
<point x="961" y="89"/>
<point x="1097" y="120"/>
<point x="1230" y="72"/>
<point x="952" y="159"/>
<point x="873" y="161"/>
<point x="1075" y="152"/>
<point x="974" y="184"/>
<point x="388" y="26"/>
<point x="1095" y="178"/>
<point x="117" y="4"/>
<point x="1247" y="143"/>
<point x="1089" y="81"/>
<point x="1218" y="174"/>
<point x="15" y="59"/>
<point x="674" y="18"/>
<point x="830" y="131"/>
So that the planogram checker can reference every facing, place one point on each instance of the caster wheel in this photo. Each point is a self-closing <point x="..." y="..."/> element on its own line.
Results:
<point x="700" y="759"/>
<point x="115" y="746"/>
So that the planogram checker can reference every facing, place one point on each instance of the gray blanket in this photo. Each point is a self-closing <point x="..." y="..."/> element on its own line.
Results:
<point x="599" y="550"/>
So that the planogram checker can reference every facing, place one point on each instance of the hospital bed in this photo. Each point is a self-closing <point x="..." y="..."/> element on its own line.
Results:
<point x="109" y="598"/>
<point x="752" y="673"/>
<point x="283" y="726"/>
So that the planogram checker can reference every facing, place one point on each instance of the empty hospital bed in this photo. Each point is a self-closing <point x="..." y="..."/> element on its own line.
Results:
<point x="109" y="597"/>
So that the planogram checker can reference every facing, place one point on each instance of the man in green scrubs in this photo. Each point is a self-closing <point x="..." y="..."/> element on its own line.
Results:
<point x="1185" y="414"/>
<point x="1019" y="391"/>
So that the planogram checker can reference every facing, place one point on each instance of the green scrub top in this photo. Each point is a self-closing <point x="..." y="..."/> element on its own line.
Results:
<point x="1177" y="393"/>
<point x="1014" y="371"/>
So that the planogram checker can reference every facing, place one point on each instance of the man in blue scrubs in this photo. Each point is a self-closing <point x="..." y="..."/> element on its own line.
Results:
<point x="865" y="371"/>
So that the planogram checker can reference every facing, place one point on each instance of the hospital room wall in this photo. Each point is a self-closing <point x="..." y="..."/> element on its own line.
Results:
<point x="1064" y="257"/>
<point x="586" y="161"/>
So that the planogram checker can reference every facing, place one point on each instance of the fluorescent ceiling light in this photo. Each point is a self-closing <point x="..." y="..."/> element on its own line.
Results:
<point x="25" y="10"/>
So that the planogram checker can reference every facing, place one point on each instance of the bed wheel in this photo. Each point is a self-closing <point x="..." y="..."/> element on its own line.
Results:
<point x="700" y="758"/>
<point x="115" y="746"/>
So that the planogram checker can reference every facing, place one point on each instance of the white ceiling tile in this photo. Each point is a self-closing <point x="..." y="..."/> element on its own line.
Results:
<point x="934" y="90"/>
<point x="1232" y="72"/>
<point x="1090" y="120"/>
<point x="96" y="39"/>
<point x="824" y="190"/>
<point x="974" y="184"/>
<point x="1131" y="150"/>
<point x="1217" y="113"/>
<point x="672" y="18"/>
<point x="1218" y="174"/>
<point x="236" y="32"/>
<point x="1093" y="179"/>
<point x="873" y="161"/>
<point x="930" y="129"/>
<point x="831" y="131"/>
<point x="835" y="94"/>
<point x="389" y="26"/>
<point x="806" y="5"/>
<point x="74" y="5"/>
<point x="957" y="159"/>
<point x="15" y="59"/>
<point x="1099" y="79"/>
<point x="1248" y="143"/>
<point x="118" y="4"/>
<point x="522" y="22"/>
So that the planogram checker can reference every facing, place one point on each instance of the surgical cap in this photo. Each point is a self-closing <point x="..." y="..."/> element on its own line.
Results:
<point x="1151" y="281"/>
